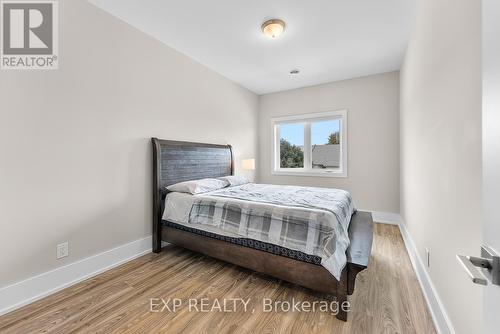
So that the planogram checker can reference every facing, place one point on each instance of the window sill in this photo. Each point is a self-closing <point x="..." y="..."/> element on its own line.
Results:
<point x="310" y="173"/>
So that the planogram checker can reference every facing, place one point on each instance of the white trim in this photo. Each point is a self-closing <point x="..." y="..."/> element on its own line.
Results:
<point x="385" y="217"/>
<point x="303" y="172"/>
<point x="34" y="288"/>
<point x="307" y="148"/>
<point x="316" y="115"/>
<point x="307" y="119"/>
<point x="439" y="315"/>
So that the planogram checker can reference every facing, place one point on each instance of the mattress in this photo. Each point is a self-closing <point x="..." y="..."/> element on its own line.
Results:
<point x="307" y="220"/>
<point x="251" y="243"/>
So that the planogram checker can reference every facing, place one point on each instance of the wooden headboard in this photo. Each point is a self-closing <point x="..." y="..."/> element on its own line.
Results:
<point x="178" y="161"/>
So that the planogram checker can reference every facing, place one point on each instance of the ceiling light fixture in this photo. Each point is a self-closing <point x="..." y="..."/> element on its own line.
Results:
<point x="273" y="28"/>
<point x="295" y="71"/>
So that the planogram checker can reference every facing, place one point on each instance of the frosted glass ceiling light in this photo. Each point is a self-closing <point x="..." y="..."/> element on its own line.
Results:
<point x="273" y="28"/>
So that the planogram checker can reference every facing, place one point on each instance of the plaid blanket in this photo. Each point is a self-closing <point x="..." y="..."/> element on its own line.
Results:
<point x="311" y="220"/>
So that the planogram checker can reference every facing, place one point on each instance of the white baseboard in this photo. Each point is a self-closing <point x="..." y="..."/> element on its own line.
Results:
<point x="436" y="308"/>
<point x="22" y="293"/>
<point x="385" y="217"/>
<point x="441" y="320"/>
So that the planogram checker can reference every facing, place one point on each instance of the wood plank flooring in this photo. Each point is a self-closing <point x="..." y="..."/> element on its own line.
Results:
<point x="387" y="299"/>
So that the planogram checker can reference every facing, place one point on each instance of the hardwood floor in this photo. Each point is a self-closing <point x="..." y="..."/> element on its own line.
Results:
<point x="387" y="299"/>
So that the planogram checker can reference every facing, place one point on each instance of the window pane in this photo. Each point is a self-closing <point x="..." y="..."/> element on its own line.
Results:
<point x="292" y="145"/>
<point x="325" y="141"/>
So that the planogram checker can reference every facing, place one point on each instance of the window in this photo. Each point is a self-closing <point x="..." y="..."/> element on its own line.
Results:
<point x="311" y="144"/>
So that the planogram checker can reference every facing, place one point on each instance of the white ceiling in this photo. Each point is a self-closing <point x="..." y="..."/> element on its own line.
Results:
<point x="328" y="40"/>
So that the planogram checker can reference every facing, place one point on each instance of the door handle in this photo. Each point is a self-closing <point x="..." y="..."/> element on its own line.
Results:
<point x="489" y="262"/>
<point x="470" y="268"/>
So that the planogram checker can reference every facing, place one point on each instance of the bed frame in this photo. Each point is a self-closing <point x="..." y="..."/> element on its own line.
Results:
<point x="176" y="161"/>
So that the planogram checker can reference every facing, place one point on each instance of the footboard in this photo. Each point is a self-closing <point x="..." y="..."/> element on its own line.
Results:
<point x="360" y="248"/>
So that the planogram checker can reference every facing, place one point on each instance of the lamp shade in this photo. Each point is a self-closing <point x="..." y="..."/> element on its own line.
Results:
<point x="248" y="164"/>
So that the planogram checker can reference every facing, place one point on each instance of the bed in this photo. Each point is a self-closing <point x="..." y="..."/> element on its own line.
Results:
<point x="176" y="161"/>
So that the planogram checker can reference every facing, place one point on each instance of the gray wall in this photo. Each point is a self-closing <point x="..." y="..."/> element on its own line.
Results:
<point x="74" y="142"/>
<point x="441" y="149"/>
<point x="373" y="136"/>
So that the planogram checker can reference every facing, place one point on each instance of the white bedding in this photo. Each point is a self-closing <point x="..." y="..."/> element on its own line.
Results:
<point x="314" y="221"/>
<point x="177" y="209"/>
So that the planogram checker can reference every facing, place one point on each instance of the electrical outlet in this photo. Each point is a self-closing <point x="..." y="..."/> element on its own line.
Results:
<point x="62" y="250"/>
<point x="428" y="257"/>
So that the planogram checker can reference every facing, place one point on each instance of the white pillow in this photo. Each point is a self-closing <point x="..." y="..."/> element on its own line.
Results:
<point x="235" y="180"/>
<point x="198" y="186"/>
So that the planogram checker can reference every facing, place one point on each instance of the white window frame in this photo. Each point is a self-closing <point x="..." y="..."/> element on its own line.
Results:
<point x="307" y="119"/>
